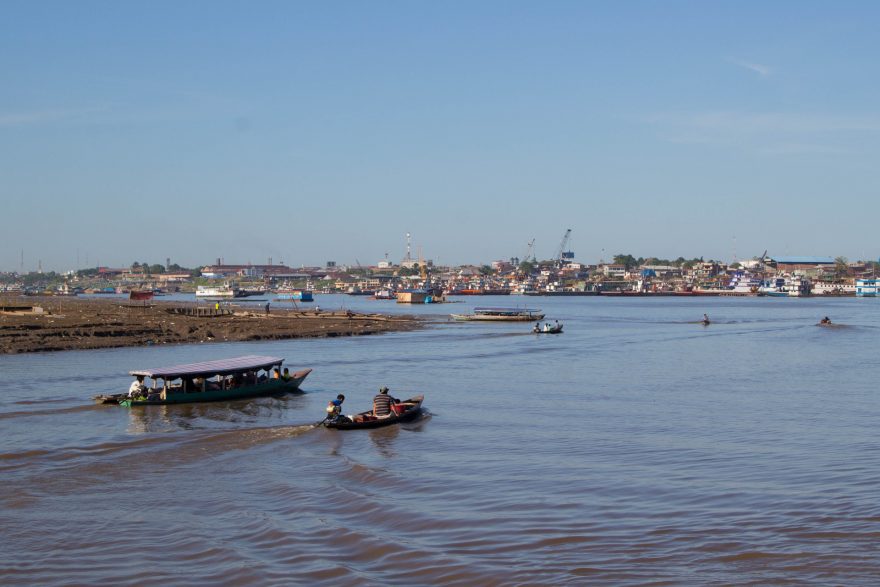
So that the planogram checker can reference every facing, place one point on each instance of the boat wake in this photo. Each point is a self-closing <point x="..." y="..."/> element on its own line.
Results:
<point x="67" y="468"/>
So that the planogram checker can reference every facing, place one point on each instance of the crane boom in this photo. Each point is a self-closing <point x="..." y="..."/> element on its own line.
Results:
<point x="530" y="252"/>
<point x="562" y="254"/>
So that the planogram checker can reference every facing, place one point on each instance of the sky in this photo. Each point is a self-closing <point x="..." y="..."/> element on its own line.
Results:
<point x="317" y="131"/>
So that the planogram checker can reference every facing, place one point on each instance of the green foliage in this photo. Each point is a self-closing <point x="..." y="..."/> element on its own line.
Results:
<point x="627" y="261"/>
<point x="527" y="267"/>
<point x="486" y="270"/>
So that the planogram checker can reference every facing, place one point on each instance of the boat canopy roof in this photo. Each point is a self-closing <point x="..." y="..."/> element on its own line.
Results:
<point x="499" y="310"/>
<point x="221" y="367"/>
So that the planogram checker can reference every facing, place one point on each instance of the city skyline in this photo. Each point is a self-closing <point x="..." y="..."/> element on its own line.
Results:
<point x="310" y="133"/>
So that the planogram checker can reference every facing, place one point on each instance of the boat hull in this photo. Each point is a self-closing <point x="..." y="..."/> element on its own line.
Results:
<point x="480" y="292"/>
<point x="483" y="318"/>
<point x="299" y="296"/>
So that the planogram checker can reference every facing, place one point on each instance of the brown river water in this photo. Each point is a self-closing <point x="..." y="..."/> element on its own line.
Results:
<point x="637" y="448"/>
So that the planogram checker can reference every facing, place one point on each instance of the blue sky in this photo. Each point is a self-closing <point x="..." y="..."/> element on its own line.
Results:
<point x="309" y="132"/>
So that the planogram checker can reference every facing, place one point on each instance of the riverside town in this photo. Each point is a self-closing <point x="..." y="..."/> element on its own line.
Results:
<point x="417" y="280"/>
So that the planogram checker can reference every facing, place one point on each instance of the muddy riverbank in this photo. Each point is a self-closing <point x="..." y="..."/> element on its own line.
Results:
<point x="35" y="324"/>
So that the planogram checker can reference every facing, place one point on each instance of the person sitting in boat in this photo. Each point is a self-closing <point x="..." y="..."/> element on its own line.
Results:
<point x="137" y="387"/>
<point x="825" y="320"/>
<point x="382" y="403"/>
<point x="334" y="409"/>
<point x="286" y="375"/>
<point x="546" y="327"/>
<point x="705" y="318"/>
<point x="276" y="373"/>
<point x="537" y="327"/>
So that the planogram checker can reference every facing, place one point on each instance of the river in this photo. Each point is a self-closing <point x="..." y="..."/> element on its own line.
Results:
<point x="638" y="447"/>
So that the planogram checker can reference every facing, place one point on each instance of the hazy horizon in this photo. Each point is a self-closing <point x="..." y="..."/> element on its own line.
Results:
<point x="317" y="132"/>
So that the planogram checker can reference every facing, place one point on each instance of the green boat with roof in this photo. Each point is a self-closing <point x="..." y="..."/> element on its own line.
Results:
<point x="209" y="381"/>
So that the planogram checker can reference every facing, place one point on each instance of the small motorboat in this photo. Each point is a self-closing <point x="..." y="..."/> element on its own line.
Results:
<point x="552" y="330"/>
<point x="404" y="411"/>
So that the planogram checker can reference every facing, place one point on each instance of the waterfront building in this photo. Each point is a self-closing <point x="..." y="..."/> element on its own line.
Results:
<point x="803" y="264"/>
<point x="613" y="270"/>
<point x="220" y="271"/>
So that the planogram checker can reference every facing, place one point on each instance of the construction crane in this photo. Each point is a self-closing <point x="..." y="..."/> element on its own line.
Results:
<point x="762" y="264"/>
<point x="530" y="252"/>
<point x="563" y="256"/>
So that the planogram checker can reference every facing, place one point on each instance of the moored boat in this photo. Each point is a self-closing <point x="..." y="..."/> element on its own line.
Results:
<point x="404" y="411"/>
<point x="227" y="379"/>
<point x="501" y="315"/>
<point x="211" y="291"/>
<point x="299" y="295"/>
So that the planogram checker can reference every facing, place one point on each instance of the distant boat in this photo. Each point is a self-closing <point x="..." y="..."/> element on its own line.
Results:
<point x="300" y="295"/>
<point x="210" y="381"/>
<point x="384" y="294"/>
<point x="501" y="315"/>
<point x="797" y="286"/>
<point x="432" y="295"/>
<point x="745" y="284"/>
<point x="557" y="329"/>
<point x="212" y="291"/>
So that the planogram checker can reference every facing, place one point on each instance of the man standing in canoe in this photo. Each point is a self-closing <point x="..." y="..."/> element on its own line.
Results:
<point x="382" y="403"/>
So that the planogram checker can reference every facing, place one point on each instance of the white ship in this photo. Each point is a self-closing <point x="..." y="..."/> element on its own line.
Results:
<point x="212" y="291"/>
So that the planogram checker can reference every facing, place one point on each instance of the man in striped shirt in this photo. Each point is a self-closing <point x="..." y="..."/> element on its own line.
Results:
<point x="382" y="403"/>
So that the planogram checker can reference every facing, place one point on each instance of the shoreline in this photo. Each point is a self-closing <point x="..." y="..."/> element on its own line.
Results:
<point x="45" y="324"/>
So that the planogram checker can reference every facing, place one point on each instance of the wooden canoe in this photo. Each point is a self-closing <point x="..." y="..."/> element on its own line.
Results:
<point x="412" y="407"/>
